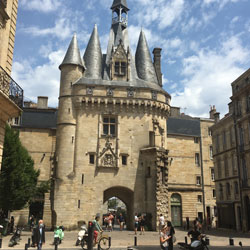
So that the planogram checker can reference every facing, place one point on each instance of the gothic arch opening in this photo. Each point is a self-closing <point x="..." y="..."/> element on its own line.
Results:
<point x="127" y="197"/>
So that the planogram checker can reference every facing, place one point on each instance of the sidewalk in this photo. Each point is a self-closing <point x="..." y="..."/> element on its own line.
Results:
<point x="126" y="238"/>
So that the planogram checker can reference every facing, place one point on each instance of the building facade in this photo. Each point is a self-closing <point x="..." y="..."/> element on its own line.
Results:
<point x="231" y="137"/>
<point x="113" y="136"/>
<point x="11" y="95"/>
<point x="191" y="172"/>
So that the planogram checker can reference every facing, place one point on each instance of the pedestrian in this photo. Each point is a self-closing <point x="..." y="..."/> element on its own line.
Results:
<point x="12" y="222"/>
<point x="136" y="222"/>
<point x="31" y="222"/>
<point x="110" y="221"/>
<point x="39" y="235"/>
<point x="161" y="222"/>
<point x="171" y="233"/>
<point x="165" y="237"/>
<point x="142" y="224"/>
<point x="120" y="221"/>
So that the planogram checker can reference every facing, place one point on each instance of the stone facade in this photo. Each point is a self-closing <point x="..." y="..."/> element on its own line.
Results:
<point x="8" y="109"/>
<point x="191" y="183"/>
<point x="231" y="137"/>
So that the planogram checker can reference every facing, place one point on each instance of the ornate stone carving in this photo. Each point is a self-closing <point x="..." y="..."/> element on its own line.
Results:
<point x="110" y="91"/>
<point x="89" y="91"/>
<point x="107" y="156"/>
<point x="131" y="92"/>
<point x="154" y="95"/>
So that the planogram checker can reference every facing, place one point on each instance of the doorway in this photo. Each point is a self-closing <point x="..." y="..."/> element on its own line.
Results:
<point x="176" y="210"/>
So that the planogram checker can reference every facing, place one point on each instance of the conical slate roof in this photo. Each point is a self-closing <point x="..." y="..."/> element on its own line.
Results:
<point x="120" y="2"/>
<point x="73" y="54"/>
<point x="119" y="35"/>
<point x="93" y="57"/>
<point x="143" y="61"/>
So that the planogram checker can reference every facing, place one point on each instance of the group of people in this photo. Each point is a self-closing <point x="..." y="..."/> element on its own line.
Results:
<point x="167" y="232"/>
<point x="140" y="221"/>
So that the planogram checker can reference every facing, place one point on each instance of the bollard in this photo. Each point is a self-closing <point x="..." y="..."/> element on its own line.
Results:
<point x="109" y="241"/>
<point x="207" y="241"/>
<point x="56" y="246"/>
<point x="135" y="241"/>
<point x="231" y="242"/>
<point x="28" y="242"/>
<point x="1" y="241"/>
<point x="90" y="235"/>
<point x="186" y="240"/>
<point x="26" y="247"/>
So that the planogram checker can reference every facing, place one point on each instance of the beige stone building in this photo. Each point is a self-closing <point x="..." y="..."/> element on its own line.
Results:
<point x="11" y="95"/>
<point x="191" y="173"/>
<point x="113" y="136"/>
<point x="231" y="137"/>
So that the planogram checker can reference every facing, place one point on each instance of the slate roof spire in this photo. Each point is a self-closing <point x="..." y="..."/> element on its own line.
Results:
<point x="143" y="60"/>
<point x="93" y="56"/>
<point x="122" y="3"/>
<point x="73" y="54"/>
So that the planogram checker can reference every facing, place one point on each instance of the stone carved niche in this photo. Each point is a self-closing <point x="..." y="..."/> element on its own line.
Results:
<point x="159" y="132"/>
<point x="107" y="157"/>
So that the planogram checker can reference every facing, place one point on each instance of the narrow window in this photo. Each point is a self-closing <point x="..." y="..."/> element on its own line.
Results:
<point x="198" y="180"/>
<point x="73" y="138"/>
<point x="211" y="152"/>
<point x="212" y="174"/>
<point x="123" y="68"/>
<point x="91" y="158"/>
<point x="79" y="204"/>
<point x="221" y="192"/>
<point x="197" y="159"/>
<point x="196" y="139"/>
<point x="199" y="198"/>
<point x="224" y="140"/>
<point x="124" y="160"/>
<point x="228" y="190"/>
<point x="236" y="188"/>
<point x="214" y="193"/>
<point x="226" y="167"/>
<point x="16" y="120"/>
<point x="82" y="178"/>
<point x="117" y="68"/>
<point x="219" y="169"/>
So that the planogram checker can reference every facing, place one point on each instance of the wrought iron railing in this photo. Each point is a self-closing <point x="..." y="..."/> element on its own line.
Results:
<point x="9" y="87"/>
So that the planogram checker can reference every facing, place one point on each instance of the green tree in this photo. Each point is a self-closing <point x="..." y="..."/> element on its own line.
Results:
<point x="18" y="178"/>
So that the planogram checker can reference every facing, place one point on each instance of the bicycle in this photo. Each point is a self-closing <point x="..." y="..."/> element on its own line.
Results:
<point x="102" y="241"/>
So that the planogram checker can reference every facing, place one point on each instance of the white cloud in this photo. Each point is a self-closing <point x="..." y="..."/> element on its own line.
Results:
<point x="63" y="29"/>
<point x="40" y="80"/>
<point x="41" y="5"/>
<point x="208" y="76"/>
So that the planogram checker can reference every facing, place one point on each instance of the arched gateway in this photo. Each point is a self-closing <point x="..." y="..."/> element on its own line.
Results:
<point x="111" y="128"/>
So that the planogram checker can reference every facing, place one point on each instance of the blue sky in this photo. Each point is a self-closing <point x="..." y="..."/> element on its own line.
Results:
<point x="205" y="44"/>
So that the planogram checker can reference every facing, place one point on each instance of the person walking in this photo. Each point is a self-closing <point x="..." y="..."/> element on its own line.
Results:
<point x="121" y="221"/>
<point x="136" y="223"/>
<point x="142" y="224"/>
<point x="39" y="235"/>
<point x="171" y="233"/>
<point x="165" y="237"/>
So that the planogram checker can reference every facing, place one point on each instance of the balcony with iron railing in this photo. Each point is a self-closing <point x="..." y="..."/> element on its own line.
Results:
<point x="10" y="88"/>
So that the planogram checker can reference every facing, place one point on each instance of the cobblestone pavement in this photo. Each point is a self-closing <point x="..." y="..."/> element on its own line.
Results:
<point x="121" y="240"/>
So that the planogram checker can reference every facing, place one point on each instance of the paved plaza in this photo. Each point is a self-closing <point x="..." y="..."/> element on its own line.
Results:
<point x="149" y="241"/>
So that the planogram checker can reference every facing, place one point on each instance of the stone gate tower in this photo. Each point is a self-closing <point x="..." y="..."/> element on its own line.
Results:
<point x="111" y="131"/>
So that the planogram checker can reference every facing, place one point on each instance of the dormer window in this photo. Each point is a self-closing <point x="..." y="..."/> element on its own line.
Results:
<point x="120" y="68"/>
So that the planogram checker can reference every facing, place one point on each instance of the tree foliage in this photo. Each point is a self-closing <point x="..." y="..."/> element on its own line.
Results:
<point x="18" y="178"/>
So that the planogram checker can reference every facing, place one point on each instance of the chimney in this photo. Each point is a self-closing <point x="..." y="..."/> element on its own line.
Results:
<point x="157" y="64"/>
<point x="217" y="117"/>
<point x="42" y="102"/>
<point x="212" y="112"/>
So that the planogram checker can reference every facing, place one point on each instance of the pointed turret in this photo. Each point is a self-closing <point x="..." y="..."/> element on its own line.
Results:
<point x="118" y="35"/>
<point x="73" y="54"/>
<point x="143" y="60"/>
<point x="122" y="3"/>
<point x="93" y="56"/>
